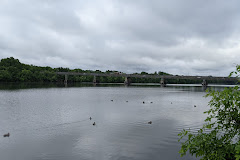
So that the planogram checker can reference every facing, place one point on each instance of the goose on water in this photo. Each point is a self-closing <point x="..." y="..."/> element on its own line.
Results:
<point x="150" y="122"/>
<point x="6" y="135"/>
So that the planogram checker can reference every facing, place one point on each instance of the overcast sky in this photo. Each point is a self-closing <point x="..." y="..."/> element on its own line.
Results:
<point x="184" y="37"/>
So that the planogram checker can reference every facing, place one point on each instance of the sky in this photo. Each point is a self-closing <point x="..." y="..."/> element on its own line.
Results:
<point x="186" y="37"/>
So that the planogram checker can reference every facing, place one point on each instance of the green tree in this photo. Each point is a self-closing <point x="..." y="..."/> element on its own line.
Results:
<point x="5" y="76"/>
<point x="26" y="75"/>
<point x="218" y="139"/>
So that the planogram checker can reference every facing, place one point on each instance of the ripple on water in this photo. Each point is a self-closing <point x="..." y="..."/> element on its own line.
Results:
<point x="54" y="123"/>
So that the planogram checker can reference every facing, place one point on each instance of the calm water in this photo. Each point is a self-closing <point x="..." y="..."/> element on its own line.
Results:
<point x="53" y="123"/>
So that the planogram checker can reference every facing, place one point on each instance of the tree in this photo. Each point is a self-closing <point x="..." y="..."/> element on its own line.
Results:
<point x="26" y="75"/>
<point x="5" y="76"/>
<point x="219" y="138"/>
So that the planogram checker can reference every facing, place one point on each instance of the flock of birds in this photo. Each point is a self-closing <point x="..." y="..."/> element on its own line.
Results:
<point x="94" y="123"/>
<point x="150" y="122"/>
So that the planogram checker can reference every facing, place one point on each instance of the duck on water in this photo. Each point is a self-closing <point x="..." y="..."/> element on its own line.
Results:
<point x="6" y="135"/>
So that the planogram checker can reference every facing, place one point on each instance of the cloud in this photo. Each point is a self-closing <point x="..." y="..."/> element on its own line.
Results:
<point x="179" y="37"/>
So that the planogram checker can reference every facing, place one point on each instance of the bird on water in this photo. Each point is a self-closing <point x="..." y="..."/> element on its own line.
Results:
<point x="6" y="135"/>
<point x="90" y="118"/>
<point x="150" y="122"/>
<point x="94" y="124"/>
<point x="143" y="102"/>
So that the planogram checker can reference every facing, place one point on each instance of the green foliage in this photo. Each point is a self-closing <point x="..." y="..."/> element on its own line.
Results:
<point x="11" y="70"/>
<point x="219" y="137"/>
<point x="237" y="149"/>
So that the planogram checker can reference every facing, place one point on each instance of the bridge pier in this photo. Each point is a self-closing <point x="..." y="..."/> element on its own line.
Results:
<point x="66" y="79"/>
<point x="94" y="79"/>
<point x="162" y="82"/>
<point x="127" y="81"/>
<point x="204" y="83"/>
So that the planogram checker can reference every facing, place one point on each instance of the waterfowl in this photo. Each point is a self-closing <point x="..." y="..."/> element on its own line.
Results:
<point x="112" y="100"/>
<point x="126" y="101"/>
<point x="150" y="122"/>
<point x="195" y="106"/>
<point x="94" y="124"/>
<point x="143" y="102"/>
<point x="151" y="102"/>
<point x="90" y="118"/>
<point x="6" y="135"/>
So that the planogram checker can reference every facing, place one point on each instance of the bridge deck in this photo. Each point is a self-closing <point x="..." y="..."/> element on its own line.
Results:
<point x="148" y="76"/>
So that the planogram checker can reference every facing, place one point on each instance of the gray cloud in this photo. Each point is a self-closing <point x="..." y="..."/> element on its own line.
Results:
<point x="179" y="37"/>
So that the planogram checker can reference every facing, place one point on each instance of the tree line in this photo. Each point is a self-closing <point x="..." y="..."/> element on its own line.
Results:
<point x="12" y="70"/>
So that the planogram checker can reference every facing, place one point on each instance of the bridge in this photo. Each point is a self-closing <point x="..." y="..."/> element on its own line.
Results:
<point x="129" y="76"/>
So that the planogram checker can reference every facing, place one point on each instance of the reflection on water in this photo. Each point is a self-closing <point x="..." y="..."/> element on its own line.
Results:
<point x="29" y="85"/>
<point x="52" y="122"/>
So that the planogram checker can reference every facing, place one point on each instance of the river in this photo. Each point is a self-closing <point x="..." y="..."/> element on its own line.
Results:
<point x="52" y="122"/>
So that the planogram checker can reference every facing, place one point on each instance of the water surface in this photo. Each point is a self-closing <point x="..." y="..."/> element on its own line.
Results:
<point x="53" y="122"/>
